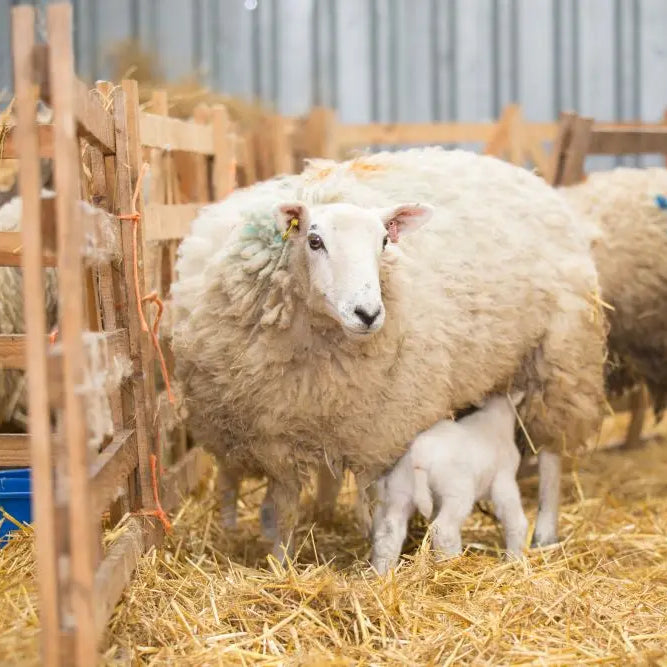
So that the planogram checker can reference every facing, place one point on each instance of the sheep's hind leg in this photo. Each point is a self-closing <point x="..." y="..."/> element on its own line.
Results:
<point x="507" y="505"/>
<point x="229" y="482"/>
<point x="286" y="504"/>
<point x="546" y="525"/>
<point x="267" y="515"/>
<point x="446" y="527"/>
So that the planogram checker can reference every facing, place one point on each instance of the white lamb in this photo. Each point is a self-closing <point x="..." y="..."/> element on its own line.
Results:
<point x="458" y="463"/>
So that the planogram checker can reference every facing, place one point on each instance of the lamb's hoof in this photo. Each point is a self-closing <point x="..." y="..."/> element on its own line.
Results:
<point x="543" y="541"/>
<point x="382" y="565"/>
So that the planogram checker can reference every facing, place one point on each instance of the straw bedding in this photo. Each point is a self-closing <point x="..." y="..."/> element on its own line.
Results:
<point x="599" y="596"/>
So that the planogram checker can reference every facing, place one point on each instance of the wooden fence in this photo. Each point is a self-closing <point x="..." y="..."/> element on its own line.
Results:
<point x="115" y="263"/>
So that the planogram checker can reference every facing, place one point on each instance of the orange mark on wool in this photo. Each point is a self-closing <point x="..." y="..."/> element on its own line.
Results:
<point x="360" y="166"/>
<point x="323" y="173"/>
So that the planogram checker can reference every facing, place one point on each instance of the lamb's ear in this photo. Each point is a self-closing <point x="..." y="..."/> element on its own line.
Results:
<point x="291" y="217"/>
<point x="517" y="396"/>
<point x="405" y="219"/>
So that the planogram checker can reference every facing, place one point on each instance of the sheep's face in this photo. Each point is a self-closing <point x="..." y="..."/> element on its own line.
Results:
<point x="342" y="246"/>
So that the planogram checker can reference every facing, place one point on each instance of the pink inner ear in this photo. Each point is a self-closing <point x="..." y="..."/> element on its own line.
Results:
<point x="392" y="230"/>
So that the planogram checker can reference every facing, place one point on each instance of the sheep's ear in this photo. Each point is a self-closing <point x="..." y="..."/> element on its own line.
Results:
<point x="405" y="219"/>
<point x="291" y="217"/>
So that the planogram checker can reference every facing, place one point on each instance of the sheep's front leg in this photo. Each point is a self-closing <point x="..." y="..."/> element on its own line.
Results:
<point x="229" y="482"/>
<point x="546" y="525"/>
<point x="286" y="504"/>
<point x="390" y="525"/>
<point x="507" y="504"/>
<point x="329" y="481"/>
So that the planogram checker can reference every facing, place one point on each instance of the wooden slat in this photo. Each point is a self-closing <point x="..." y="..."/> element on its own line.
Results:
<point x="128" y="154"/>
<point x="14" y="450"/>
<point x="24" y="138"/>
<point x="94" y="122"/>
<point x="70" y="240"/>
<point x="576" y="150"/>
<point x="115" y="572"/>
<point x="11" y="145"/>
<point x="426" y="133"/>
<point x="610" y="141"/>
<point x="12" y="351"/>
<point x="223" y="141"/>
<point x="111" y="467"/>
<point x="11" y="250"/>
<point x="175" y="134"/>
<point x="164" y="221"/>
<point x="184" y="477"/>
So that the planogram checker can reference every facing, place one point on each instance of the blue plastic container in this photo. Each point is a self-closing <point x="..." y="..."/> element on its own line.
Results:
<point x="15" y="499"/>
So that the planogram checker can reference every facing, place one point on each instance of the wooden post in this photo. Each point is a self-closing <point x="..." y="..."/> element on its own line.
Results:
<point x="283" y="162"/>
<point x="223" y="159"/>
<point x="34" y="308"/>
<point x="319" y="134"/>
<point x="127" y="168"/>
<point x="70" y="240"/>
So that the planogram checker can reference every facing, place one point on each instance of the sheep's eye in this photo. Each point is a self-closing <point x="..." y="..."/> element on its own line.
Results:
<point x="315" y="242"/>
<point x="384" y="242"/>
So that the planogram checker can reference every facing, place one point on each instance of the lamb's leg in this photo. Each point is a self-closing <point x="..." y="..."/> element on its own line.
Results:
<point x="390" y="526"/>
<point x="329" y="481"/>
<point x="446" y="527"/>
<point x="229" y="482"/>
<point x="546" y="525"/>
<point x="507" y="505"/>
<point x="286" y="503"/>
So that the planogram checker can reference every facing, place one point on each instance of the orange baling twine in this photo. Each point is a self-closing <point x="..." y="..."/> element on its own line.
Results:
<point x="135" y="217"/>
<point x="154" y="298"/>
<point x="158" y="512"/>
<point x="53" y="335"/>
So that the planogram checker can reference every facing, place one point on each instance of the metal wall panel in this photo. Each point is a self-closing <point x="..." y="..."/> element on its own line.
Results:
<point x="395" y="60"/>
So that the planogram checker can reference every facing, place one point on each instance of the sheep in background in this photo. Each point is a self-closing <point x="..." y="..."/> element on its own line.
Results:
<point x="630" y="258"/>
<point x="13" y="393"/>
<point x="302" y="335"/>
<point x="457" y="463"/>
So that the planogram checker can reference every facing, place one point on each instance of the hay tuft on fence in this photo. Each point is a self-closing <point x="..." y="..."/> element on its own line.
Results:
<point x="599" y="596"/>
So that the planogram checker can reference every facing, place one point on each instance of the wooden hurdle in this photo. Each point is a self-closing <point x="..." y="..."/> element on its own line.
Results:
<point x="320" y="134"/>
<point x="576" y="138"/>
<point x="97" y="155"/>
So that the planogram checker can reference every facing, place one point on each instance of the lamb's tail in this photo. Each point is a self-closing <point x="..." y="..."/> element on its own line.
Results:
<point x="422" y="497"/>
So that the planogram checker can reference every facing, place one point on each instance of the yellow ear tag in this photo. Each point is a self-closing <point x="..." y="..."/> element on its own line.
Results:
<point x="293" y="224"/>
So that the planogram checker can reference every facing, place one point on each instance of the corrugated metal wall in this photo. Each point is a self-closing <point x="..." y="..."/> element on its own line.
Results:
<point x="396" y="60"/>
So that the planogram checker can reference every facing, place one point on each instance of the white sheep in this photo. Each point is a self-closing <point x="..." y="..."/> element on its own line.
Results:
<point x="457" y="463"/>
<point x="303" y="334"/>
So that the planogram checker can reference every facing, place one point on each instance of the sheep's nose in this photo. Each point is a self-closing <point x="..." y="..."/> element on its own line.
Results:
<point x="366" y="317"/>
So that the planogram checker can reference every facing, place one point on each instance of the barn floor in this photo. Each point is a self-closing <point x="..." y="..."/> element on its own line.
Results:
<point x="598" y="596"/>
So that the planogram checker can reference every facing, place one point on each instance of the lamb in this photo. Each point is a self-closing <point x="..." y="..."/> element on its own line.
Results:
<point x="460" y="463"/>
<point x="630" y="258"/>
<point x="304" y="333"/>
